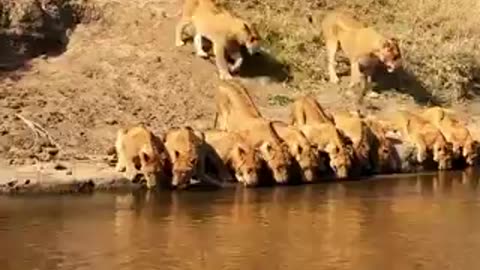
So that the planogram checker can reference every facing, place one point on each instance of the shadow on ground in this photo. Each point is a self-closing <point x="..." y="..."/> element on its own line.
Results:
<point x="263" y="64"/>
<point x="403" y="81"/>
<point x="31" y="29"/>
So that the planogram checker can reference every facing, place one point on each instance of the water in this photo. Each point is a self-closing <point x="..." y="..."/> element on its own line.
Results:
<point x="418" y="222"/>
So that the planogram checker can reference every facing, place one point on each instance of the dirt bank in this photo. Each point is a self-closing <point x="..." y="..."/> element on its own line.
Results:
<point x="114" y="63"/>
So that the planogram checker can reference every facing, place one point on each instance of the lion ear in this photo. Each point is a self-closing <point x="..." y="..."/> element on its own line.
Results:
<point x="200" y="135"/>
<point x="247" y="28"/>
<point x="241" y="152"/>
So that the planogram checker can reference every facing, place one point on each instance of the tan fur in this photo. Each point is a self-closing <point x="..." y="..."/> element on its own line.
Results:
<point x="300" y="148"/>
<point x="185" y="147"/>
<point x="384" y="158"/>
<point x="237" y="112"/>
<point x="425" y="136"/>
<point x="454" y="131"/>
<point x="139" y="147"/>
<point x="360" y="135"/>
<point x="233" y="96"/>
<point x="226" y="31"/>
<point x="363" y="46"/>
<point x="320" y="130"/>
<point x="236" y="154"/>
<point x="306" y="110"/>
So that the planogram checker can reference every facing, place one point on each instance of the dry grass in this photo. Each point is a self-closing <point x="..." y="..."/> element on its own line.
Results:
<point x="440" y="40"/>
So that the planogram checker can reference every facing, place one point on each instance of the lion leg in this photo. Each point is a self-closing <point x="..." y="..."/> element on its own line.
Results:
<point x="332" y="46"/>
<point x="120" y="167"/>
<point x="221" y="62"/>
<point x="421" y="149"/>
<point x="179" y="31"/>
<point x="197" y="43"/>
<point x="238" y="61"/>
<point x="130" y="170"/>
<point x="355" y="73"/>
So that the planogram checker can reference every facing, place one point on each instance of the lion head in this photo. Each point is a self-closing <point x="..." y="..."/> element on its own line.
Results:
<point x="275" y="154"/>
<point x="249" y="37"/>
<point x="246" y="163"/>
<point x="183" y="147"/>
<point x="389" y="54"/>
<point x="442" y="153"/>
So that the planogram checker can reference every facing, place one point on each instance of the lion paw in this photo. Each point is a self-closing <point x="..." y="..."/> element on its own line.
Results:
<point x="179" y="43"/>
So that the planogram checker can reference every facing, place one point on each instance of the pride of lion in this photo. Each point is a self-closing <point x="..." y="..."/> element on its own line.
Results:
<point x="315" y="144"/>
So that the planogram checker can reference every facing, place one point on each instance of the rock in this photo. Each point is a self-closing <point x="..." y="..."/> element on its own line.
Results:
<point x="60" y="167"/>
<point x="111" y="122"/>
<point x="111" y="151"/>
<point x="373" y="94"/>
<point x="52" y="151"/>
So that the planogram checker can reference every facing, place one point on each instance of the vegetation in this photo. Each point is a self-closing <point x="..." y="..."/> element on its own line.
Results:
<point x="440" y="40"/>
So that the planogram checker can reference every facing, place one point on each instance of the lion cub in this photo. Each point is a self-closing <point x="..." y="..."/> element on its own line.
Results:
<point x="320" y="130"/>
<point x="237" y="112"/>
<point x="360" y="135"/>
<point x="226" y="31"/>
<point x="138" y="147"/>
<point x="363" y="46"/>
<point x="185" y="147"/>
<point x="385" y="158"/>
<point x="237" y="155"/>
<point x="300" y="148"/>
<point x="455" y="132"/>
<point x="425" y="136"/>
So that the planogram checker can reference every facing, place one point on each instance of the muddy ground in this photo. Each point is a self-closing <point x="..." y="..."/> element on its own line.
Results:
<point x="114" y="64"/>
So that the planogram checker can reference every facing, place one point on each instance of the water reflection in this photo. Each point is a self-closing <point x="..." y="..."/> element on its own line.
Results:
<point x="414" y="222"/>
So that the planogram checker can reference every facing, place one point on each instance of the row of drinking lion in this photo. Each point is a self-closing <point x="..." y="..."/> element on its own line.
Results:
<point x="248" y="148"/>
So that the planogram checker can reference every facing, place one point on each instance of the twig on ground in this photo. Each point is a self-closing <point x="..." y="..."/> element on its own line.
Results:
<point x="38" y="130"/>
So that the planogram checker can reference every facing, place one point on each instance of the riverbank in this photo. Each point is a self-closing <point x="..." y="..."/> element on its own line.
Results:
<point x="61" y="178"/>
<point x="82" y="177"/>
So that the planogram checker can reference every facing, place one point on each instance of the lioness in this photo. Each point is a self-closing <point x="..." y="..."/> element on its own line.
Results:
<point x="425" y="136"/>
<point x="363" y="46"/>
<point x="319" y="128"/>
<point x="237" y="112"/>
<point x="185" y="147"/>
<point x="139" y="147"/>
<point x="236" y="154"/>
<point x="300" y="148"/>
<point x="226" y="31"/>
<point x="454" y="131"/>
<point x="360" y="135"/>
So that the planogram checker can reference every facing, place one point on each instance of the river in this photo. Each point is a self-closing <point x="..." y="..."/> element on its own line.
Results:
<point x="403" y="222"/>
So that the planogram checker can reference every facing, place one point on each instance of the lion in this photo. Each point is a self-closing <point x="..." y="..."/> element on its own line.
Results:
<point x="138" y="147"/>
<point x="300" y="149"/>
<point x="306" y="110"/>
<point x="455" y="132"/>
<point x="319" y="128"/>
<point x="384" y="156"/>
<point x="237" y="155"/>
<point x="237" y="112"/>
<point x="227" y="32"/>
<point x="185" y="147"/>
<point x="363" y="46"/>
<point x="425" y="136"/>
<point x="361" y="137"/>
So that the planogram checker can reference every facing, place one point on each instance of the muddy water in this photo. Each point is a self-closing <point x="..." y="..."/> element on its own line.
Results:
<point x="419" y="222"/>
